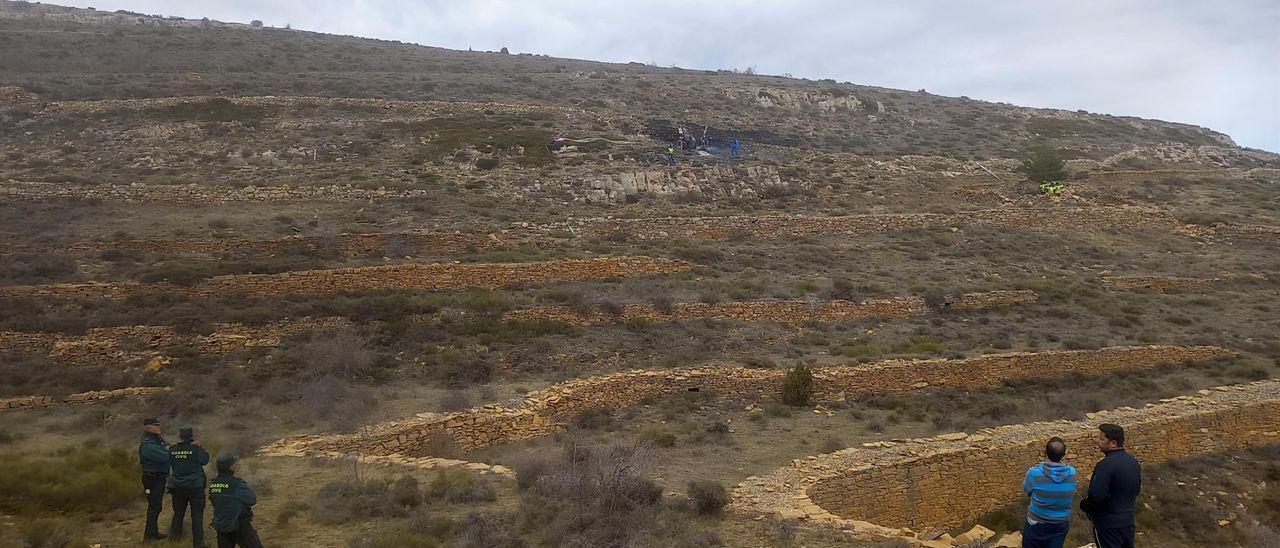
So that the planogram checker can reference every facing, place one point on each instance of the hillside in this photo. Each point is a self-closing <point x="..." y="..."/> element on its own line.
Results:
<point x="478" y="276"/>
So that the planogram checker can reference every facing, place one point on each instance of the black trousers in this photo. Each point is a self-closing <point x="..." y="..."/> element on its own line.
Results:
<point x="244" y="537"/>
<point x="1114" y="537"/>
<point x="153" y="488"/>
<point x="182" y="498"/>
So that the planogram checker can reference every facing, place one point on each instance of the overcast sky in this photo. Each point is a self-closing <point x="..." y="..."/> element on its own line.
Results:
<point x="1210" y="63"/>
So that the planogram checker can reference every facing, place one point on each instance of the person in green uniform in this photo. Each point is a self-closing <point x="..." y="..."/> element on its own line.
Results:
<point x="186" y="485"/>
<point x="153" y="456"/>
<point x="233" y="502"/>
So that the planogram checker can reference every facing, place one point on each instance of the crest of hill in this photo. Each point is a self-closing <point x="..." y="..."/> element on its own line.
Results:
<point x="64" y="53"/>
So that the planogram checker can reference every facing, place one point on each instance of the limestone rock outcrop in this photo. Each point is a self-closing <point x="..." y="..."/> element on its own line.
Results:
<point x="710" y="181"/>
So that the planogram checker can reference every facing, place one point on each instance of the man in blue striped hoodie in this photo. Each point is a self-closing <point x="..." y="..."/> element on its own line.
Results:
<point x="1051" y="485"/>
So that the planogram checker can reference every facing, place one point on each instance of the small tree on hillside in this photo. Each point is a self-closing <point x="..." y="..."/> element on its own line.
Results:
<point x="797" y="386"/>
<point x="1044" y="165"/>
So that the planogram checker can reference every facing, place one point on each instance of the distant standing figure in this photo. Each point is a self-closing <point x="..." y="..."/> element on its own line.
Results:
<point x="186" y="485"/>
<point x="153" y="457"/>
<point x="671" y="156"/>
<point x="233" y="502"/>
<point x="735" y="148"/>
<point x="1113" y="489"/>
<point x="1051" y="485"/>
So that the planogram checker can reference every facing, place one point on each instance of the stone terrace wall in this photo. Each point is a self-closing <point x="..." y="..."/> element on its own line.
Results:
<point x="545" y="412"/>
<point x="792" y="312"/>
<point x="421" y="277"/>
<point x="195" y="194"/>
<point x="24" y="403"/>
<point x="347" y="244"/>
<point x="891" y="488"/>
<point x="1068" y="219"/>
<point x="119" y="346"/>
<point x="1261" y="233"/>
<point x="1161" y="284"/>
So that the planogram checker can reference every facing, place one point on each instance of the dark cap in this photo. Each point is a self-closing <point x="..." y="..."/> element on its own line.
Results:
<point x="186" y="433"/>
<point x="227" y="460"/>
<point x="150" y="421"/>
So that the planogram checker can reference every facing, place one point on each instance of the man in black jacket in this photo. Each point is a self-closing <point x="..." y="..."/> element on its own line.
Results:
<point x="186" y="485"/>
<point x="1113" y="489"/>
<point x="233" y="502"/>
<point x="153" y="457"/>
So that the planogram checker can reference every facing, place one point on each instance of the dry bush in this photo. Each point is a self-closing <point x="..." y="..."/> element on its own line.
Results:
<point x="342" y="353"/>
<point x="461" y="486"/>
<point x="708" y="497"/>
<point x="352" y="499"/>
<point x="84" y="480"/>
<point x="600" y="495"/>
<point x="455" y="400"/>
<point x="489" y="529"/>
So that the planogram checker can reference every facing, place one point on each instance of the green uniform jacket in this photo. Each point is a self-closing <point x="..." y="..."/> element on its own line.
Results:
<point x="232" y="498"/>
<point x="153" y="455"/>
<point x="187" y="460"/>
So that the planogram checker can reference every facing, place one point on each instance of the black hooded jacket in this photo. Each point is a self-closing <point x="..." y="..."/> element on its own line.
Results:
<point x="1113" y="489"/>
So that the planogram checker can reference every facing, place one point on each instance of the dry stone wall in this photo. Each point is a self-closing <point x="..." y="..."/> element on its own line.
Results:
<point x="547" y="411"/>
<point x="1161" y="284"/>
<point x="386" y="243"/>
<point x="1260" y="233"/>
<point x="421" y="277"/>
<point x="713" y="228"/>
<point x="1059" y="219"/>
<point x="198" y="194"/>
<point x="790" y="312"/>
<point x="120" y="346"/>
<point x="24" y="403"/>
<point x="901" y="487"/>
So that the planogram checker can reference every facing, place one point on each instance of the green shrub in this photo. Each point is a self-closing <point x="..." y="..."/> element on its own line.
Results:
<point x="484" y="302"/>
<point x="50" y="533"/>
<point x="213" y="110"/>
<point x="797" y="386"/>
<point x="921" y="344"/>
<point x="82" y="480"/>
<point x="708" y="497"/>
<point x="1044" y="165"/>
<point x="404" y="491"/>
<point x="660" y="438"/>
<point x="461" y="486"/>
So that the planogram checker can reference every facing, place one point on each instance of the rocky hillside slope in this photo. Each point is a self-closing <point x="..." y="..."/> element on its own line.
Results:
<point x="63" y="53"/>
